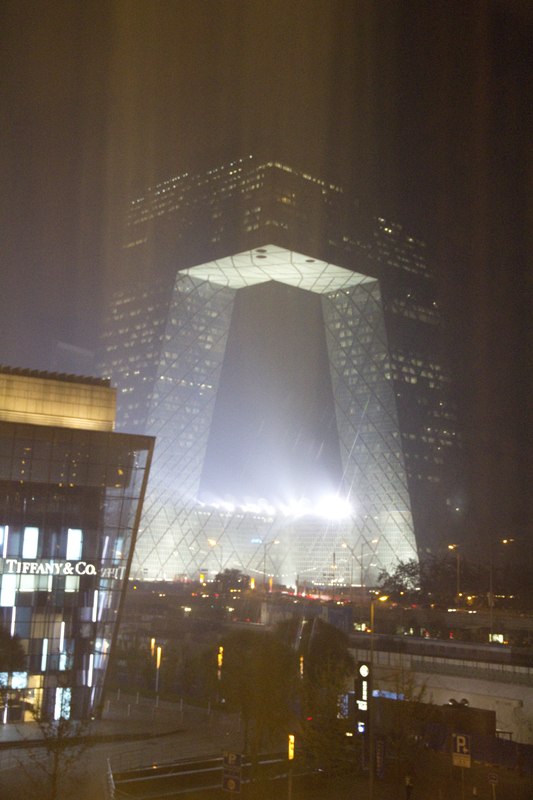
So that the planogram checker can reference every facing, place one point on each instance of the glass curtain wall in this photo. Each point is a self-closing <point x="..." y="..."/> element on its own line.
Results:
<point x="69" y="507"/>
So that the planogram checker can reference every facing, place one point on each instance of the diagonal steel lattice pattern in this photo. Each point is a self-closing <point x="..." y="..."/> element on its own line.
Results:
<point x="179" y="536"/>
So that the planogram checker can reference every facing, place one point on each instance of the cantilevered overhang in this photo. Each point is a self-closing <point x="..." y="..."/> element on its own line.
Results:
<point x="272" y="263"/>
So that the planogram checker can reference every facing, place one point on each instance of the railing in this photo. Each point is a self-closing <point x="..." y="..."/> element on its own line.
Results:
<point x="503" y="673"/>
<point x="110" y="783"/>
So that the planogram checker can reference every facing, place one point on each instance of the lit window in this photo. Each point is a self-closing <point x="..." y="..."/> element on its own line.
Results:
<point x="62" y="704"/>
<point x="31" y="540"/>
<point x="74" y="544"/>
<point x="19" y="680"/>
<point x="7" y="593"/>
<point x="44" y="655"/>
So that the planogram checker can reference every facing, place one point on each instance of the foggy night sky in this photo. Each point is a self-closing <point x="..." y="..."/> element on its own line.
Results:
<point x="423" y="108"/>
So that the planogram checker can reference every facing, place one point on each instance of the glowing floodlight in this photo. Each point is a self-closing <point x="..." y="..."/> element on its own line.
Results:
<point x="298" y="508"/>
<point x="333" y="507"/>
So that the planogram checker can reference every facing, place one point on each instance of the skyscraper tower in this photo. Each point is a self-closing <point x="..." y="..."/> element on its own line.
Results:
<point x="194" y="246"/>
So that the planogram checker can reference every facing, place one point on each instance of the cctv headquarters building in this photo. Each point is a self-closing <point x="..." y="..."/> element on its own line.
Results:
<point x="201" y="251"/>
<point x="70" y="500"/>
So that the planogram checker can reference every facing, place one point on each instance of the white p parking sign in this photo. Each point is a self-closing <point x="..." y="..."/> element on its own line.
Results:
<point x="461" y="750"/>
<point x="231" y="771"/>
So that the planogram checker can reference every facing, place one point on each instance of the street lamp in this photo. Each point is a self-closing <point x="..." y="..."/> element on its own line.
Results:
<point x="491" y="588"/>
<point x="352" y="551"/>
<point x="344" y="544"/>
<point x="266" y="545"/>
<point x="214" y="543"/>
<point x="157" y="665"/>
<point x="456" y="547"/>
<point x="371" y="707"/>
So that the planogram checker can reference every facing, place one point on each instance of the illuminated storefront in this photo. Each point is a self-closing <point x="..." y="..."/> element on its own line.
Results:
<point x="70" y="501"/>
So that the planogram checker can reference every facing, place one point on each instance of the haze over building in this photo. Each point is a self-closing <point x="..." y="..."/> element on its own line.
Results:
<point x="209" y="258"/>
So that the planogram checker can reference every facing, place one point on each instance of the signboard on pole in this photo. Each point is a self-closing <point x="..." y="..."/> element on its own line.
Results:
<point x="231" y="771"/>
<point x="362" y="694"/>
<point x="461" y="750"/>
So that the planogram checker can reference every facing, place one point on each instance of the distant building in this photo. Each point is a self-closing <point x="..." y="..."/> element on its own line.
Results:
<point x="71" y="493"/>
<point x="191" y="243"/>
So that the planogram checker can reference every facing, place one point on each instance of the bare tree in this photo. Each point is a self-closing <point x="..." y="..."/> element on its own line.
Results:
<point x="52" y="764"/>
<point x="12" y="659"/>
<point x="257" y="679"/>
<point x="325" y="666"/>
<point x="402" y="720"/>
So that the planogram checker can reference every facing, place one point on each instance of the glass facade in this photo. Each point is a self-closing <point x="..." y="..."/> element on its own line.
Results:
<point x="69" y="511"/>
<point x="236" y="207"/>
<point x="367" y="424"/>
<point x="180" y="537"/>
<point x="179" y="415"/>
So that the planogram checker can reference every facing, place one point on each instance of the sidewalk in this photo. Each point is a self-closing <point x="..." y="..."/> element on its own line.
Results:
<point x="122" y="720"/>
<point x="133" y="719"/>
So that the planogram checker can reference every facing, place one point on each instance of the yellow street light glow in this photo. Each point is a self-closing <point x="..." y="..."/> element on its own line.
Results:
<point x="291" y="746"/>
<point x="158" y="662"/>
